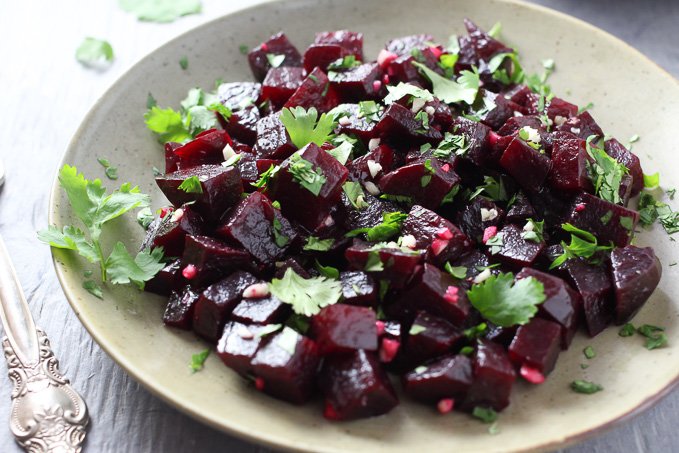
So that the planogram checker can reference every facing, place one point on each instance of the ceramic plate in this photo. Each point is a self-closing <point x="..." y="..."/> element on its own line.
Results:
<point x="630" y="95"/>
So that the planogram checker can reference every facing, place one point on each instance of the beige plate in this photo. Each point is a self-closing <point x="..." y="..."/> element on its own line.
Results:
<point x="631" y="96"/>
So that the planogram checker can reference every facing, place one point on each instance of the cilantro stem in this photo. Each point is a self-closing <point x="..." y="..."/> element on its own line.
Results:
<point x="102" y="260"/>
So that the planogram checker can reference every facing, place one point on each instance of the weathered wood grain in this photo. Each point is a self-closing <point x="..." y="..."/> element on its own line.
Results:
<point x="44" y="96"/>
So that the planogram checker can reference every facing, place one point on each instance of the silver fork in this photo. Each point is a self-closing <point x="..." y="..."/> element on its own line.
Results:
<point x="47" y="414"/>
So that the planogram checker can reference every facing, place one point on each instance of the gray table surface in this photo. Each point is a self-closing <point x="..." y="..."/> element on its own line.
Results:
<point x="45" y="95"/>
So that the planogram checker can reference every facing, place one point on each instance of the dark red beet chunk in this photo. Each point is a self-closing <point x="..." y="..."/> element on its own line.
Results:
<point x="382" y="155"/>
<point x="526" y="165"/>
<point x="617" y="151"/>
<point x="276" y="45"/>
<point x="238" y="345"/>
<point x="605" y="220"/>
<point x="400" y="128"/>
<point x="242" y="125"/>
<point x="205" y="149"/>
<point x="349" y="40"/>
<point x="287" y="365"/>
<point x="171" y="159"/>
<point x="280" y="83"/>
<point x="170" y="231"/>
<point x="355" y="386"/>
<point x="322" y="55"/>
<point x="179" y="310"/>
<point x="582" y="126"/>
<point x="482" y="46"/>
<point x="217" y="302"/>
<point x="569" y="166"/>
<point x="298" y="202"/>
<point x="493" y="378"/>
<point x="477" y="136"/>
<point x="516" y="251"/>
<point x="357" y="84"/>
<point x="559" y="107"/>
<point x="370" y="216"/>
<point x="247" y="165"/>
<point x="472" y="222"/>
<point x="397" y="265"/>
<point x="536" y="345"/>
<point x="636" y="273"/>
<point x="503" y="110"/>
<point x="426" y="186"/>
<point x="239" y="95"/>
<point x="402" y="68"/>
<point x="404" y="45"/>
<point x="521" y="210"/>
<point x="273" y="141"/>
<point x="221" y="188"/>
<point x="361" y="127"/>
<point x="209" y="259"/>
<point x="315" y="91"/>
<point x="594" y="285"/>
<point x="448" y="377"/>
<point x="358" y="288"/>
<point x="167" y="280"/>
<point x="251" y="225"/>
<point x="562" y="304"/>
<point x="265" y="310"/>
<point x="344" y="328"/>
<point x="430" y="336"/>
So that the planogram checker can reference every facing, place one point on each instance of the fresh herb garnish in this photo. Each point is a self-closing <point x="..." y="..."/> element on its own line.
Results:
<point x="319" y="245"/>
<point x="583" y="244"/>
<point x="495" y="244"/>
<point x="405" y="89"/>
<point x="466" y="350"/>
<point x="429" y="172"/>
<point x="605" y="172"/>
<point x="94" y="53"/>
<point x="450" y="144"/>
<point x="268" y="329"/>
<point x="506" y="302"/>
<point x="515" y="76"/>
<point x="355" y="194"/>
<point x="93" y="288"/>
<point x="307" y="296"/>
<point x="651" y="210"/>
<point x="494" y="189"/>
<point x="450" y="91"/>
<point x="304" y="126"/>
<point x="390" y="227"/>
<point x="275" y="60"/>
<point x="265" y="177"/>
<point x="627" y="330"/>
<point x="160" y="10"/>
<point x="485" y="414"/>
<point x="346" y="62"/>
<point x="198" y="360"/>
<point x="459" y="272"/>
<point x="416" y="329"/>
<point x="374" y="262"/>
<point x="533" y="231"/>
<point x="184" y="62"/>
<point x="585" y="387"/>
<point x="655" y="336"/>
<point x="244" y="49"/>
<point x="589" y="352"/>
<point x="145" y="217"/>
<point x="476" y="331"/>
<point x="195" y="116"/>
<point x="370" y="110"/>
<point x="279" y="238"/>
<point x="651" y="181"/>
<point x="327" y="271"/>
<point x="109" y="171"/>
<point x="305" y="175"/>
<point x="191" y="185"/>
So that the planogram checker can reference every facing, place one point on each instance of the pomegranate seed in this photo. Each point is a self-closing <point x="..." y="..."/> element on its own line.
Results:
<point x="256" y="291"/>
<point x="489" y="233"/>
<point x="377" y="85"/>
<point x="385" y="57"/>
<point x="189" y="271"/>
<point x="259" y="384"/>
<point x="445" y="168"/>
<point x="329" y="412"/>
<point x="380" y="327"/>
<point x="444" y="233"/>
<point x="445" y="405"/>
<point x="436" y="51"/>
<point x="385" y="79"/>
<point x="264" y="47"/>
<point x="438" y="245"/>
<point x="389" y="349"/>
<point x="452" y="295"/>
<point x="580" y="207"/>
<point x="165" y="211"/>
<point x="531" y="374"/>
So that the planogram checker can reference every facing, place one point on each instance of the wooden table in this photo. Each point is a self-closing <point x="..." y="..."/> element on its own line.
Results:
<point x="45" y="94"/>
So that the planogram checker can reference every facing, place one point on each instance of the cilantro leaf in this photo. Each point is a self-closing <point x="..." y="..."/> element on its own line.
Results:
<point x="369" y="110"/>
<point x="184" y="62"/>
<point x="459" y="272"/>
<point x="275" y="60"/>
<point x="307" y="296"/>
<point x="449" y="91"/>
<point x="651" y="181"/>
<point x="279" y="238"/>
<point x="122" y="268"/>
<point x="450" y="144"/>
<point x="305" y="175"/>
<point x="168" y="124"/>
<point x="265" y="177"/>
<point x="94" y="53"/>
<point x="355" y="194"/>
<point x="91" y="287"/>
<point x="416" y="329"/>
<point x="327" y="271"/>
<point x="342" y="152"/>
<point x="198" y="360"/>
<point x="605" y="172"/>
<point x="304" y="126"/>
<point x="583" y="244"/>
<point x="191" y="185"/>
<point x="405" y="89"/>
<point x="70" y="238"/>
<point x="161" y="11"/>
<point x="500" y="73"/>
<point x="505" y="302"/>
<point x="145" y="217"/>
<point x="486" y="415"/>
<point x="533" y="231"/>
<point x="346" y="62"/>
<point x="586" y="387"/>
<point x="390" y="227"/>
<point x="319" y="245"/>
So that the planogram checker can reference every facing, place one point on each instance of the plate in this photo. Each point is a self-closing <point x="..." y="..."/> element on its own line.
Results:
<point x="630" y="95"/>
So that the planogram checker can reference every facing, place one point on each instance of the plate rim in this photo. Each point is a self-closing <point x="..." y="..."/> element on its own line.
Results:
<point x="262" y="438"/>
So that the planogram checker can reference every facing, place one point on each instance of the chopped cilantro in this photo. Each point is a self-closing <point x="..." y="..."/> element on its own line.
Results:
<point x="346" y="62"/>
<point x="655" y="336"/>
<point x="327" y="271"/>
<point x="268" y="329"/>
<point x="405" y="89"/>
<point x="279" y="238"/>
<point x="306" y="296"/>
<point x="589" y="352"/>
<point x="606" y="217"/>
<point x="275" y="60"/>
<point x="605" y="172"/>
<point x="220" y="108"/>
<point x="450" y="144"/>
<point x="589" y="106"/>
<point x="93" y="288"/>
<point x="583" y="244"/>
<point x="305" y="175"/>
<point x="533" y="231"/>
<point x="627" y="223"/>
<point x="459" y="272"/>
<point x="633" y="139"/>
<point x="370" y="110"/>
<point x="168" y="124"/>
<point x="495" y="30"/>
<point x="265" y="177"/>
<point x="466" y="350"/>
<point x="486" y="415"/>
<point x="160" y="10"/>
<point x="373" y="263"/>
<point x="476" y="331"/>
<point x="319" y="245"/>
<point x="429" y="171"/>
<point x="651" y="181"/>
<point x="150" y="101"/>
<point x="500" y="73"/>
<point x="495" y="243"/>
<point x="198" y="360"/>
<point x="450" y="91"/>
<point x="494" y="189"/>
<point x="627" y="330"/>
<point x="109" y="171"/>
<point x="122" y="268"/>
<point x="243" y="49"/>
<point x="184" y="62"/>
<point x="304" y="126"/>
<point x="416" y="329"/>
<point x="506" y="302"/>
<point x="342" y="152"/>
<point x="423" y="119"/>
<point x="191" y="185"/>
<point x="651" y="210"/>
<point x="585" y="387"/>
<point x="390" y="227"/>
<point x="94" y="53"/>
<point x="145" y="217"/>
<point x="355" y="194"/>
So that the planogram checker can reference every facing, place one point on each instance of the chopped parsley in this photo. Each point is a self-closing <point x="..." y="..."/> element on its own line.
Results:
<point x="275" y="60"/>
<point x="306" y="296"/>
<point x="651" y="181"/>
<point x="586" y="387"/>
<point x="466" y="350"/>
<point x="184" y="63"/>
<point x="429" y="172"/>
<point x="390" y="227"/>
<point x="589" y="106"/>
<point x="355" y="194"/>
<point x="405" y="89"/>
<point x="495" y="243"/>
<point x="450" y="91"/>
<point x="589" y="352"/>
<point x="198" y="360"/>
<point x="279" y="238"/>
<point x="161" y="11"/>
<point x="268" y="329"/>
<point x="243" y="49"/>
<point x="651" y="210"/>
<point x="605" y="172"/>
<point x="485" y="414"/>
<point x="416" y="329"/>
<point x="319" y="245"/>
<point x="305" y="175"/>
<point x="93" y="288"/>
<point x="627" y="330"/>
<point x="191" y="185"/>
<point x="494" y="188"/>
<point x="655" y="336"/>
<point x="583" y="244"/>
<point x="516" y="75"/>
<point x="347" y="62"/>
<point x="109" y="171"/>
<point x="328" y="271"/>
<point x="476" y="331"/>
<point x="370" y="110"/>
<point x="265" y="177"/>
<point x="533" y="231"/>
<point x="451" y="144"/>
<point x="373" y="263"/>
<point x="94" y="53"/>
<point x="145" y="217"/>
<point x="459" y="272"/>
<point x="305" y="126"/>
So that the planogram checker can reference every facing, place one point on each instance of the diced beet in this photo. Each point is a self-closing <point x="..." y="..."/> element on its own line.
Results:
<point x="398" y="265"/>
<point x="355" y="386"/>
<point x="344" y="328"/>
<point x="430" y="336"/>
<point x="239" y="95"/>
<point x="180" y="307"/>
<point x="426" y="186"/>
<point x="404" y="45"/>
<point x="569" y="166"/>
<point x="594" y="285"/>
<point x="625" y="191"/>
<point x="287" y="365"/>
<point x="290" y="263"/>
<point x="238" y="345"/>
<point x="559" y="107"/>
<point x="562" y="304"/>
<point x="516" y="251"/>
<point x="168" y="279"/>
<point x="298" y="202"/>
<point x="358" y="288"/>
<point x="447" y="377"/>
<point x="521" y="210"/>
<point x="498" y="115"/>
<point x="247" y="165"/>
<point x="500" y="335"/>
<point x="383" y="156"/>
<point x="402" y="68"/>
<point x="493" y="378"/>
<point x="583" y="126"/>
<point x="477" y="137"/>
<point x="170" y="231"/>
<point x="400" y="128"/>
<point x="426" y="226"/>
<point x="242" y="125"/>
<point x="216" y="303"/>
<point x="273" y="141"/>
<point x="483" y="45"/>
<point x="473" y="221"/>
<point x="221" y="188"/>
<point x="367" y="217"/>
<point x="617" y="151"/>
<point x="519" y="94"/>
<point x="353" y="123"/>
<point x="515" y="123"/>
<point x="171" y="159"/>
<point x="548" y="207"/>
<point x="349" y="40"/>
<point x="265" y="310"/>
<point x="636" y="273"/>
<point x="525" y="164"/>
<point x="536" y="345"/>
<point x="358" y="83"/>
<point x="209" y="259"/>
<point x="605" y="220"/>
<point x="259" y="228"/>
<point x="321" y="55"/>
<point x="206" y="148"/>
<point x="315" y="91"/>
<point x="278" y="44"/>
<point x="280" y="83"/>
<point x="474" y="261"/>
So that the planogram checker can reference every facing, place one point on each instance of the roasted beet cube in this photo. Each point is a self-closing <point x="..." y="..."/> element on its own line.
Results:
<point x="247" y="165"/>
<point x="536" y="345"/>
<point x="594" y="285"/>
<point x="238" y="345"/>
<point x="582" y="126"/>
<point x="206" y="259"/>
<point x="300" y="203"/>
<point x="239" y="95"/>
<point x="343" y="328"/>
<point x="355" y="386"/>
<point x="358" y="83"/>
<point x="280" y="83"/>
<point x="559" y="107"/>
<point x="447" y="377"/>
<point x="475" y="262"/>
<point x="168" y="279"/>
<point x="477" y="137"/>
<point x="321" y="55"/>
<point x="493" y="378"/>
<point x="478" y="215"/>
<point x="515" y="123"/>
<point x="171" y="159"/>
<point x="206" y="148"/>
<point x="569" y="166"/>
<point x="352" y="122"/>
<point x="242" y="125"/>
<point x="315" y="91"/>
<point x="562" y="304"/>
<point x="525" y="164"/>
<point x="372" y="165"/>
<point x="550" y="208"/>
<point x="483" y="46"/>
<point x="441" y="238"/>
<point x="273" y="141"/>
<point x="427" y="183"/>
<point x="287" y="365"/>
<point x="180" y="307"/>
<point x="605" y="220"/>
<point x="430" y="336"/>
<point x="521" y="210"/>
<point x="617" y="151"/>
<point x="400" y="127"/>
<point x="264" y="310"/>
<point x="516" y="251"/>
<point x="358" y="288"/>
<point x="636" y="273"/>
<point x="498" y="115"/>
<point x="349" y="40"/>
<point x="404" y="45"/>
<point x="170" y="231"/>
<point x="259" y="228"/>
<point x="278" y="44"/>
<point x="500" y="335"/>
<point x="367" y="217"/>
<point x="290" y="263"/>
<point x="220" y="188"/>
<point x="216" y="303"/>
<point x="402" y="69"/>
<point x="393" y="264"/>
